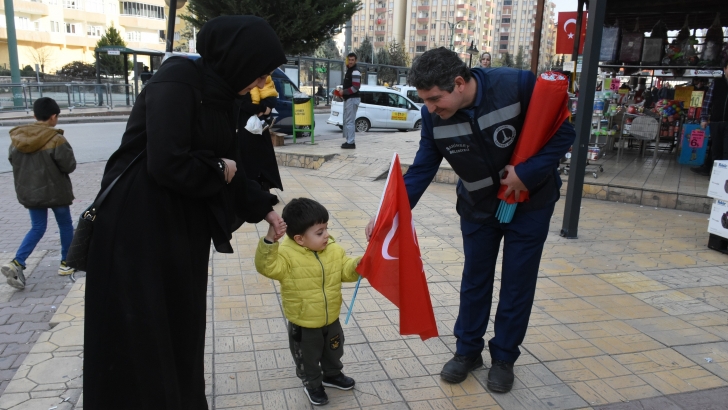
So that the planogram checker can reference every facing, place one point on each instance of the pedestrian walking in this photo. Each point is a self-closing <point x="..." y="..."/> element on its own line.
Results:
<point x="350" y="94"/>
<point x="714" y="115"/>
<point x="147" y="269"/>
<point x="473" y="121"/>
<point x="310" y="267"/>
<point x="41" y="158"/>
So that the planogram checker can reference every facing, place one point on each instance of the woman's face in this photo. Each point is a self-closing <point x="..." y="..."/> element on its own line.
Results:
<point x="485" y="61"/>
<point x="258" y="82"/>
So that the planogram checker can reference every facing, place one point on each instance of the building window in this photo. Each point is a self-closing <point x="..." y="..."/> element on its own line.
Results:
<point x="371" y="17"/>
<point x="504" y="38"/>
<point x="72" y="28"/>
<point x="94" y="31"/>
<point x="423" y="38"/>
<point x="452" y="13"/>
<point x="442" y="38"/>
<point x="22" y="23"/>
<point x="413" y="26"/>
<point x="95" y="6"/>
<point x="380" y="39"/>
<point x="414" y="15"/>
<point x="507" y="2"/>
<point x="71" y="4"/>
<point x="412" y="49"/>
<point x="504" y="46"/>
<point x="434" y="14"/>
<point x="55" y="27"/>
<point x="129" y="8"/>
<point x="506" y="20"/>
<point x="420" y="49"/>
<point x="432" y="38"/>
<point x="356" y="38"/>
<point x="133" y="36"/>
<point x="434" y="26"/>
<point x="176" y="36"/>
<point x="412" y="38"/>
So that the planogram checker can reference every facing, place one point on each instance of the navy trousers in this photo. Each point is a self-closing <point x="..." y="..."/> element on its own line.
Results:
<point x="524" y="238"/>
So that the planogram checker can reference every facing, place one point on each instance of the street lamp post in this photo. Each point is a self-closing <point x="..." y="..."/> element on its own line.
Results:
<point x="473" y="49"/>
<point x="452" y="33"/>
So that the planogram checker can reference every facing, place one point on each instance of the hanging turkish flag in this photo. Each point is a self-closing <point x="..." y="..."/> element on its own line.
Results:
<point x="566" y="32"/>
<point x="392" y="263"/>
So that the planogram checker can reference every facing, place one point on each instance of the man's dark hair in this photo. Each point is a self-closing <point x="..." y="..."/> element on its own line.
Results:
<point x="352" y="55"/>
<point x="44" y="108"/>
<point x="437" y="67"/>
<point x="303" y="213"/>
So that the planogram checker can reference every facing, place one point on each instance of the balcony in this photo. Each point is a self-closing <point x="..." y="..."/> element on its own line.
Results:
<point x="460" y="31"/>
<point x="141" y="22"/>
<point x="420" y="43"/>
<point x="379" y="44"/>
<point x="30" y="7"/>
<point x="80" y="41"/>
<point x="380" y="10"/>
<point x="423" y="32"/>
<point x="423" y="19"/>
<point x="461" y="18"/>
<point x="423" y="8"/>
<point x="380" y="32"/>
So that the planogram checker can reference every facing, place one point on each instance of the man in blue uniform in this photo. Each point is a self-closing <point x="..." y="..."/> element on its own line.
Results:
<point x="473" y="119"/>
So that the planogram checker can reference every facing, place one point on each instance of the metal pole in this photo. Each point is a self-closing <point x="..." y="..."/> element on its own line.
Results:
<point x="452" y="35"/>
<point x="98" y="78"/>
<point x="537" y="36"/>
<point x="584" y="109"/>
<point x="170" y="27"/>
<point x="126" y="77"/>
<point x="579" y="22"/>
<point x="136" y="75"/>
<point x="13" y="52"/>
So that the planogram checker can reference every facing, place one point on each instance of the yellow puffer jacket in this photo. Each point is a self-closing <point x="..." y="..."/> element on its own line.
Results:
<point x="268" y="90"/>
<point x="310" y="281"/>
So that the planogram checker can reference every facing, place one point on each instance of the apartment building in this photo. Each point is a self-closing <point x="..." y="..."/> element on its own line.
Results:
<point x="421" y="25"/>
<point x="53" y="33"/>
<point x="515" y="22"/>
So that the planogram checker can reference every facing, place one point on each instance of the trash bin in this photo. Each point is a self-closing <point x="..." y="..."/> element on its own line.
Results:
<point x="303" y="120"/>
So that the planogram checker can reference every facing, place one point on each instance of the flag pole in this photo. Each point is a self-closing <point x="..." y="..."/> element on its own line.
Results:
<point x="379" y="208"/>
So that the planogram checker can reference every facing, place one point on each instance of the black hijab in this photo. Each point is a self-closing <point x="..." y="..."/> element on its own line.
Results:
<point x="240" y="49"/>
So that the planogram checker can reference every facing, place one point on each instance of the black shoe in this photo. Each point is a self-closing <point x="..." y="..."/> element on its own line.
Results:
<point x="457" y="369"/>
<point x="316" y="396"/>
<point x="500" y="377"/>
<point x="701" y="171"/>
<point x="346" y="145"/>
<point x="340" y="382"/>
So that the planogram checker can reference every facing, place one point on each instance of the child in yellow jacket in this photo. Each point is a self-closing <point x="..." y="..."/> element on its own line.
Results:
<point x="266" y="95"/>
<point x="310" y="267"/>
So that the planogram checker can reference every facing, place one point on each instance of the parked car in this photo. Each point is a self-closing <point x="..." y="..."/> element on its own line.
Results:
<point x="411" y="93"/>
<point x="381" y="107"/>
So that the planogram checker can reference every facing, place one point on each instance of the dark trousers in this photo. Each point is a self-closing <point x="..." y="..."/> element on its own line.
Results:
<point x="523" y="239"/>
<point x="719" y="136"/>
<point x="316" y="352"/>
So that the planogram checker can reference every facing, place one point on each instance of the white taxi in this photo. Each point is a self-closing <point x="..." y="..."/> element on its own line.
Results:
<point x="381" y="107"/>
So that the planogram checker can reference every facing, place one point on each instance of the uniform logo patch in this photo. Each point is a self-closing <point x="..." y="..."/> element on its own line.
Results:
<point x="335" y="342"/>
<point x="504" y="136"/>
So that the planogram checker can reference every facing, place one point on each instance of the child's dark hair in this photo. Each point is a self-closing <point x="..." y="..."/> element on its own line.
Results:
<point x="303" y="213"/>
<point x="44" y="108"/>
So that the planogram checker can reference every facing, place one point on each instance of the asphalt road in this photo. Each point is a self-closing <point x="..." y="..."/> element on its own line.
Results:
<point x="97" y="141"/>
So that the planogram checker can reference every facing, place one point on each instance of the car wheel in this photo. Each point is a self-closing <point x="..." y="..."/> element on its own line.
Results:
<point x="418" y="124"/>
<point x="362" y="125"/>
<point x="341" y="127"/>
<point x="403" y="130"/>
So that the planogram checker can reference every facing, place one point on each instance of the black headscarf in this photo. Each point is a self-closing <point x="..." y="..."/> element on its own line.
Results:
<point x="240" y="49"/>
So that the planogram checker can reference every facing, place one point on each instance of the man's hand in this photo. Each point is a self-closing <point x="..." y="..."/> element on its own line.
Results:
<point x="513" y="183"/>
<point x="277" y="224"/>
<point x="337" y="93"/>
<point x="703" y="124"/>
<point x="370" y="227"/>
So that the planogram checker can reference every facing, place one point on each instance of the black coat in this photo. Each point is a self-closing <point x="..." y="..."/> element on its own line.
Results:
<point x="147" y="273"/>
<point x="257" y="153"/>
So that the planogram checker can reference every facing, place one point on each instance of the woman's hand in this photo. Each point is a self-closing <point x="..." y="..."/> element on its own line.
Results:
<point x="370" y="227"/>
<point x="230" y="169"/>
<point x="277" y="224"/>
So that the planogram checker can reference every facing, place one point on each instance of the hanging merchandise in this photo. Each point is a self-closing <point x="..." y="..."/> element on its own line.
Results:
<point x="630" y="51"/>
<point x="654" y="47"/>
<point x="610" y="44"/>
<point x="713" y="43"/>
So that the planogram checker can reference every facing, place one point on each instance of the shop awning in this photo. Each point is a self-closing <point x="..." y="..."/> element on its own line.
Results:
<point x="701" y="13"/>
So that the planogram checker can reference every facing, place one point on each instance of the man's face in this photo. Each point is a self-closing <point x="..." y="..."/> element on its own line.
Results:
<point x="441" y="102"/>
<point x="350" y="61"/>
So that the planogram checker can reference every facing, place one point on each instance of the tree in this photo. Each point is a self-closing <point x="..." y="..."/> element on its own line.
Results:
<point x="112" y="65"/>
<point x="506" y="60"/>
<point x="520" y="60"/>
<point x="394" y="54"/>
<point x="42" y="56"/>
<point x="364" y="51"/>
<point x="78" y="70"/>
<point x="328" y="50"/>
<point x="302" y="26"/>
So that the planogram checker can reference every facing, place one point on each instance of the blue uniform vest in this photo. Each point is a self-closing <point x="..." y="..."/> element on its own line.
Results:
<point x="479" y="148"/>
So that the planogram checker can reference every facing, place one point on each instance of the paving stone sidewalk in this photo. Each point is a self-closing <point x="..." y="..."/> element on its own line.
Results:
<point x="624" y="316"/>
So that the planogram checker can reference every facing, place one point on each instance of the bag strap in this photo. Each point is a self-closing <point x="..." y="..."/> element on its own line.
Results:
<point x="102" y="196"/>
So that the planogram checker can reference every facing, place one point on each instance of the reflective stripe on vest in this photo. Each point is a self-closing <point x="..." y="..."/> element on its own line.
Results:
<point x="499" y="115"/>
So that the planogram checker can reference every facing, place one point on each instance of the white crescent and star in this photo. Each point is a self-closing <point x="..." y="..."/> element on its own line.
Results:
<point x="569" y="21"/>
<point x="388" y="238"/>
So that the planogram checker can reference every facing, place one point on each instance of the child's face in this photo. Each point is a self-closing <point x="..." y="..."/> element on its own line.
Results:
<point x="315" y="238"/>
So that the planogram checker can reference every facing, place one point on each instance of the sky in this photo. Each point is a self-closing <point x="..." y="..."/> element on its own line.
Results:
<point x="565" y="5"/>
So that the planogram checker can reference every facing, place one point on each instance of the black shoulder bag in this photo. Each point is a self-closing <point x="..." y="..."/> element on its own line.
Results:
<point x="78" y="251"/>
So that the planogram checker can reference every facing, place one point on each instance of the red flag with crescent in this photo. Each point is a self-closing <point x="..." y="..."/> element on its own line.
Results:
<point x="392" y="262"/>
<point x="566" y="32"/>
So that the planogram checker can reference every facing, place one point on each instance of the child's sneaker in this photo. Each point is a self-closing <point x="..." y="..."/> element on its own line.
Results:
<point x="316" y="396"/>
<point x="14" y="272"/>
<point x="65" y="270"/>
<point x="340" y="382"/>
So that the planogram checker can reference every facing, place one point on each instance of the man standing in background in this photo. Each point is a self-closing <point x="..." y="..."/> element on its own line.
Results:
<point x="350" y="94"/>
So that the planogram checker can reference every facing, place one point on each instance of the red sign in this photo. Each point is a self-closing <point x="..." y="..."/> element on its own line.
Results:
<point x="566" y="32"/>
<point x="697" y="138"/>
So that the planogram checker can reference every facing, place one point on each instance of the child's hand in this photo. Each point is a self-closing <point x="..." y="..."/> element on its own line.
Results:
<point x="275" y="233"/>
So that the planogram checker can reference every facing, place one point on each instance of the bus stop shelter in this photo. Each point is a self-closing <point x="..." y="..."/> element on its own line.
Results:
<point x="124" y="52"/>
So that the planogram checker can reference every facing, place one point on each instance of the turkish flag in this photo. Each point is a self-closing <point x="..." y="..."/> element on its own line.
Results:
<point x="392" y="263"/>
<point x="566" y="32"/>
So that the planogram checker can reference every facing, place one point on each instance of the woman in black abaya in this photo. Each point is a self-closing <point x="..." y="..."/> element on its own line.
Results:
<point x="148" y="260"/>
